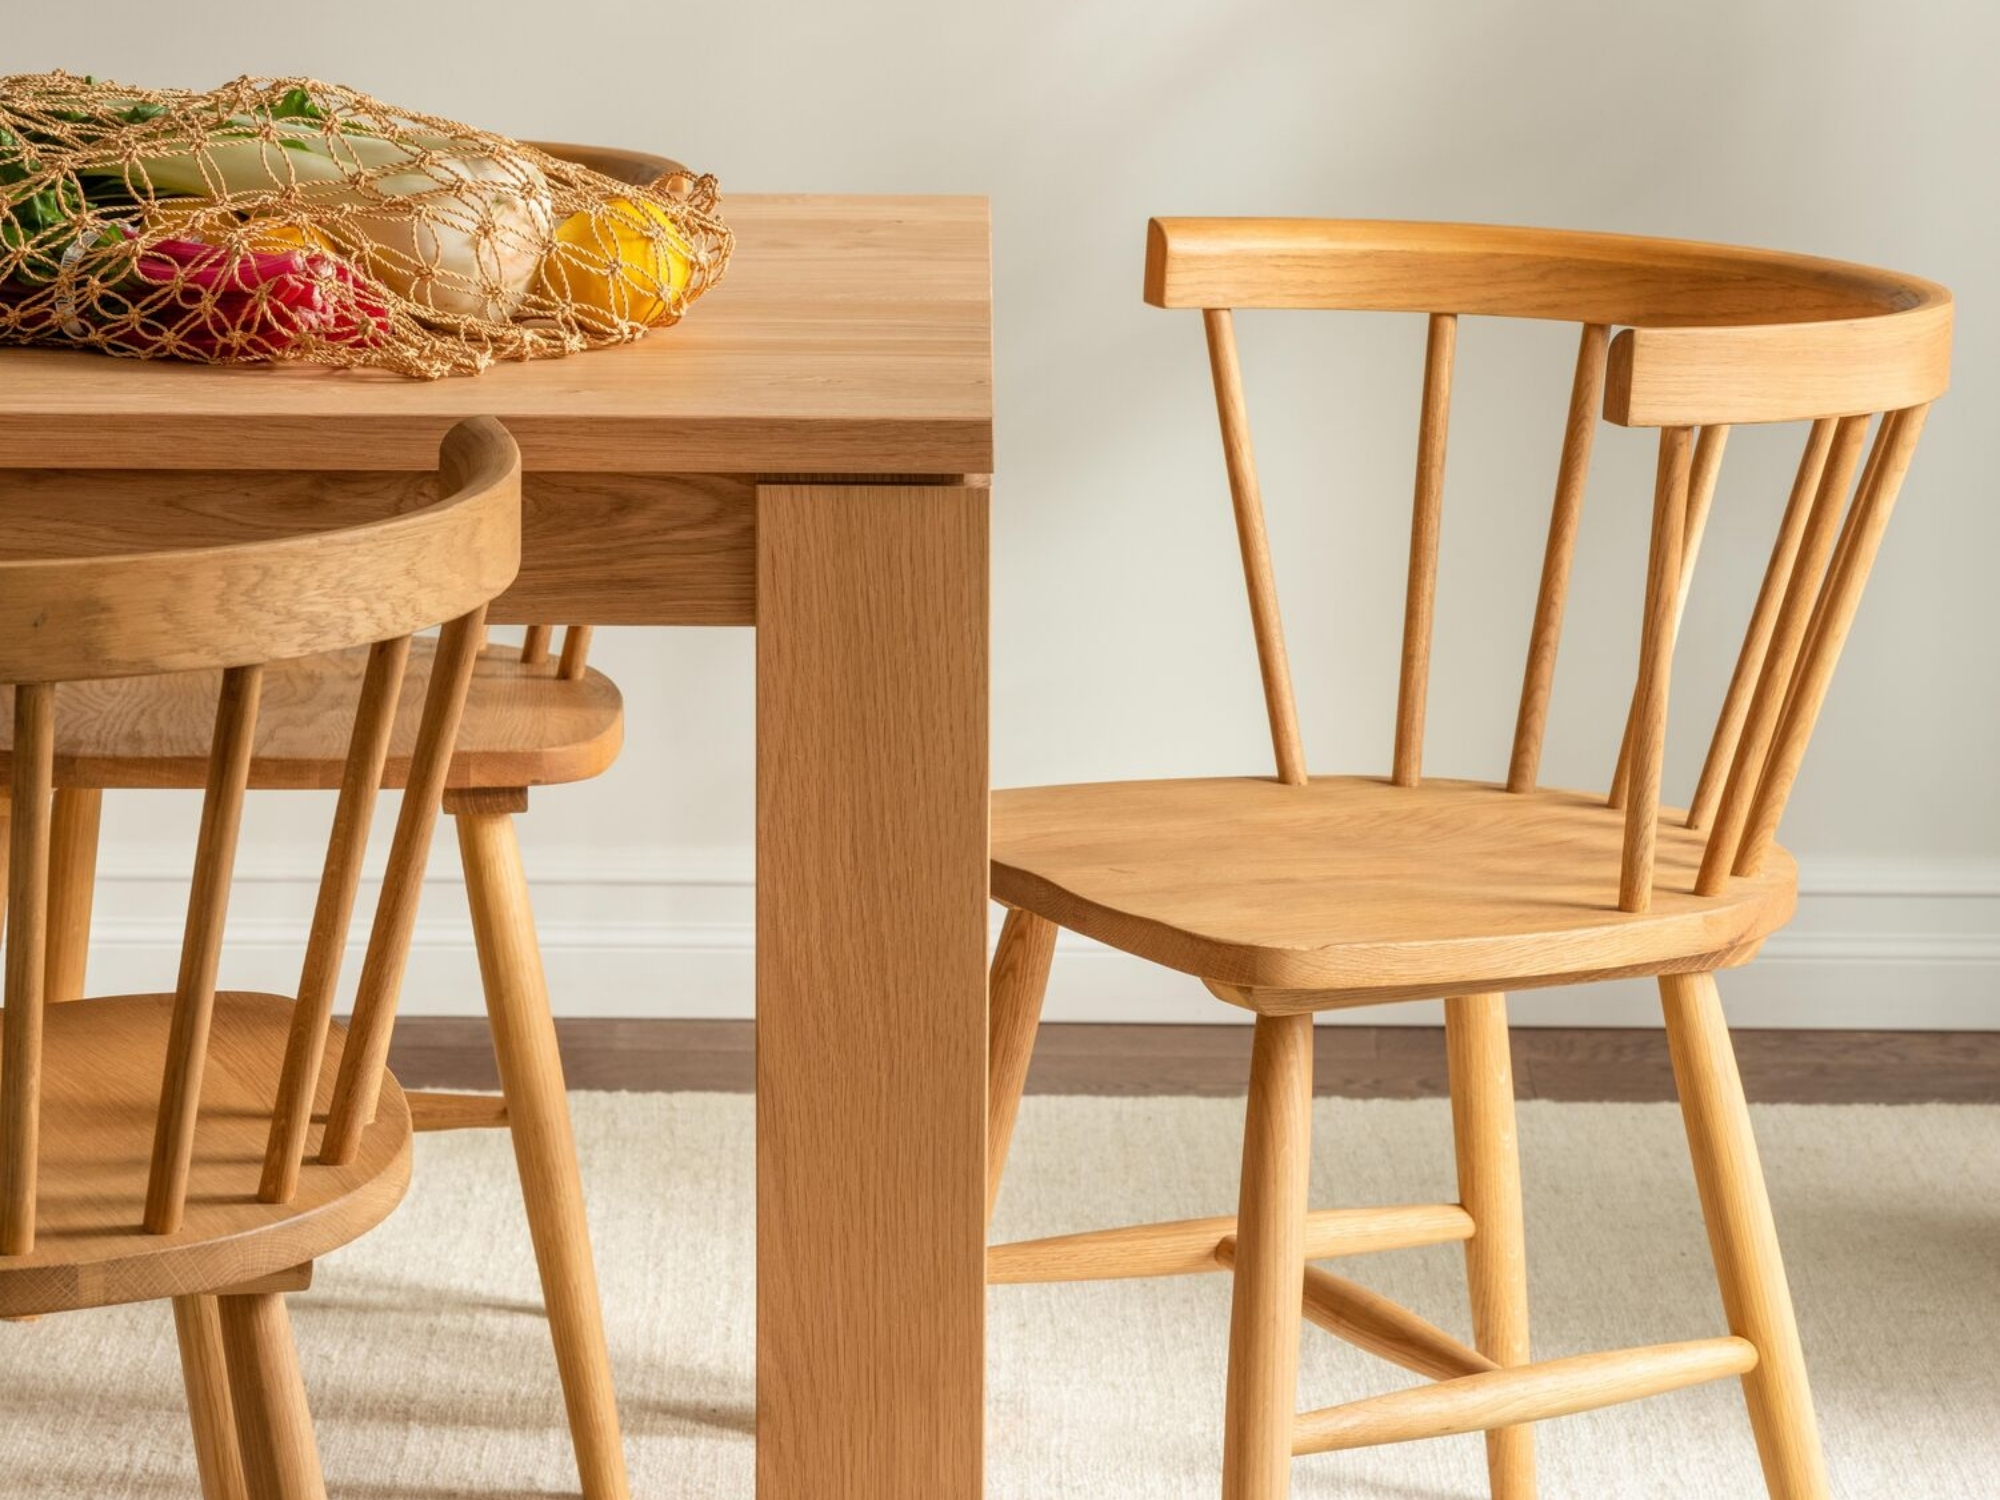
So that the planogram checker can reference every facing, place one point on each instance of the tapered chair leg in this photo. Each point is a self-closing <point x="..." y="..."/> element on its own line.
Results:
<point x="1019" y="980"/>
<point x="531" y="1077"/>
<point x="1489" y="1189"/>
<point x="273" y="1423"/>
<point x="73" y="826"/>
<point x="1742" y="1237"/>
<point x="211" y="1413"/>
<point x="1269" y="1297"/>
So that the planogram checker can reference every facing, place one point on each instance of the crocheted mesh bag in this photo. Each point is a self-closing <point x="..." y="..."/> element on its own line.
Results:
<point x="287" y="219"/>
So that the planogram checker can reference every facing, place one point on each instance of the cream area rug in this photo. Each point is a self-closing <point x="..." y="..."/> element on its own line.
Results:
<point x="430" y="1373"/>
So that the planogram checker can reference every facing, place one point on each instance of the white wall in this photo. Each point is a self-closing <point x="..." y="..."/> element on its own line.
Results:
<point x="1121" y="646"/>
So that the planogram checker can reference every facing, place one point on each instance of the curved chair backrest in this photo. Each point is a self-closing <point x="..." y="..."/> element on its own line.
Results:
<point x="1711" y="336"/>
<point x="619" y="163"/>
<point x="237" y="607"/>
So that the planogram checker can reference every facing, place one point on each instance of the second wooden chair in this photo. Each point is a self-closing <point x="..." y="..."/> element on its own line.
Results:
<point x="1304" y="893"/>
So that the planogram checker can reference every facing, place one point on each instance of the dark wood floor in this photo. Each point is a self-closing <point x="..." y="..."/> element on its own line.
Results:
<point x="1386" y="1062"/>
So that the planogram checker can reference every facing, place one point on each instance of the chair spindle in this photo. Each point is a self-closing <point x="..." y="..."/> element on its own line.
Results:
<point x="27" y="932"/>
<point x="1248" y="503"/>
<point x="1763" y="619"/>
<point x="366" y="1056"/>
<point x="575" y="653"/>
<point x="1788" y="635"/>
<point x="1708" y="450"/>
<point x="1816" y="622"/>
<point x="1426" y="521"/>
<point x="1656" y="653"/>
<point x="326" y="943"/>
<point x="1861" y="539"/>
<point x="1586" y="394"/>
<point x="201" y="947"/>
<point x="535" y="645"/>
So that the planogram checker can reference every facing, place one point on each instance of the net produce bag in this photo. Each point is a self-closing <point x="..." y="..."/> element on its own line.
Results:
<point x="288" y="219"/>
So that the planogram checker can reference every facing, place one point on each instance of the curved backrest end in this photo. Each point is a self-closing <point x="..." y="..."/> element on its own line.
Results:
<point x="193" y="609"/>
<point x="1156" y="263"/>
<point x="479" y="471"/>
<point x="1781" y="372"/>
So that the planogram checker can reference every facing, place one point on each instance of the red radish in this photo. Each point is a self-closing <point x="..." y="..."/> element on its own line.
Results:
<point x="219" y="303"/>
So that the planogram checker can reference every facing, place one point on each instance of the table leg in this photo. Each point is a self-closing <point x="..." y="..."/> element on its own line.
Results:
<point x="871" y="991"/>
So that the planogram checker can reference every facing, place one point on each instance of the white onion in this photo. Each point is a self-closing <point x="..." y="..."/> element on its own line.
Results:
<point x="465" y="236"/>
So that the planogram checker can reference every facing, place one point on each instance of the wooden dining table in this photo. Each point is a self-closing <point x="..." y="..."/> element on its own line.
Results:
<point x="807" y="454"/>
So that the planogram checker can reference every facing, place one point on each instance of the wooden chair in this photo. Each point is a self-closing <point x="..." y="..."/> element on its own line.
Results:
<point x="133" y="1129"/>
<point x="535" y="716"/>
<point x="1304" y="893"/>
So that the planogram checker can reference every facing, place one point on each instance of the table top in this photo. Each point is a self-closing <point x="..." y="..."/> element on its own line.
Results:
<point x="851" y="335"/>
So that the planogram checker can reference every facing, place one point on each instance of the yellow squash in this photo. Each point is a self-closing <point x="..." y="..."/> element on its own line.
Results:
<point x="618" y="264"/>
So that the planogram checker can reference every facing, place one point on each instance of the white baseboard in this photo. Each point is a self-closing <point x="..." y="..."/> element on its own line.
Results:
<point x="1877" y="944"/>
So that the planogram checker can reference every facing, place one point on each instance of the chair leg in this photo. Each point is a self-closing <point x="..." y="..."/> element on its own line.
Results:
<point x="1019" y="980"/>
<point x="273" y="1426"/>
<point x="1489" y="1189"/>
<point x="1270" y="1263"/>
<point x="531" y="1077"/>
<point x="73" y="825"/>
<point x="1742" y="1236"/>
<point x="217" y="1456"/>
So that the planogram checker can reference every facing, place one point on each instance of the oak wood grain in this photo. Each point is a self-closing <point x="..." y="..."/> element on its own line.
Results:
<point x="1350" y="887"/>
<point x="1426" y="524"/>
<point x="1743" y="1238"/>
<point x="1267" y="1263"/>
<point x="1194" y="1247"/>
<point x="1530" y="1393"/>
<point x="523" y="726"/>
<point x="537" y="1120"/>
<point x="179" y="606"/>
<point x="201" y="949"/>
<point x="363" y="1069"/>
<point x="333" y="916"/>
<point x="1788" y="638"/>
<point x="614" y="549"/>
<point x="1565" y="516"/>
<point x="218" y="1449"/>
<point x="852" y="335"/>
<point x="22" y="1019"/>
<point x="73" y="828"/>
<point x="1648" y="721"/>
<point x="1486" y="1145"/>
<point x="871" y="1127"/>
<point x="101" y="1086"/>
<point x="1018" y="980"/>
<point x="1253" y="546"/>
<point x="1719" y="333"/>
<point x="1763" y="621"/>
<point x="1386" y="1329"/>
<point x="280" y="1457"/>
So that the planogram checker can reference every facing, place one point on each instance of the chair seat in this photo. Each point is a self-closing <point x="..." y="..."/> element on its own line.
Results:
<point x="523" y="725"/>
<point x="1360" y="890"/>
<point x="102" y="1066"/>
